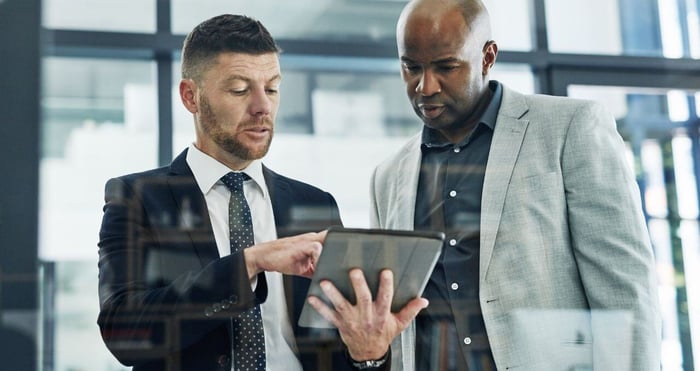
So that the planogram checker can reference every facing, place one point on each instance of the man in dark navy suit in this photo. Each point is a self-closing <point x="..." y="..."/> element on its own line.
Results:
<point x="172" y="282"/>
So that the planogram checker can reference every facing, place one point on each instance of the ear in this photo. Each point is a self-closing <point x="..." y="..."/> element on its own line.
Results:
<point x="188" y="95"/>
<point x="490" y="54"/>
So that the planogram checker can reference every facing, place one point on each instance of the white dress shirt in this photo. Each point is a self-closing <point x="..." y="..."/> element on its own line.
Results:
<point x="279" y="338"/>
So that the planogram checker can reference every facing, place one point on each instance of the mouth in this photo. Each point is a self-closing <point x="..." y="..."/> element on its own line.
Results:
<point x="431" y="111"/>
<point x="258" y="131"/>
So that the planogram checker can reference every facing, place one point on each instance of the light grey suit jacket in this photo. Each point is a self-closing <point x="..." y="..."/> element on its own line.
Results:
<point x="566" y="272"/>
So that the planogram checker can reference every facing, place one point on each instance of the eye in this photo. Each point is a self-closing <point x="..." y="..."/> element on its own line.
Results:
<point x="411" y="68"/>
<point x="272" y="91"/>
<point x="238" y="91"/>
<point x="448" y="67"/>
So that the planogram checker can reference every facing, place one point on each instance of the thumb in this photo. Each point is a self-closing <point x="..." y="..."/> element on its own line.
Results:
<point x="410" y="311"/>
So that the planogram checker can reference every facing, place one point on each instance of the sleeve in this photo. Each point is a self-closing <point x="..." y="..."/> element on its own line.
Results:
<point x="610" y="239"/>
<point x="374" y="221"/>
<point x="156" y="295"/>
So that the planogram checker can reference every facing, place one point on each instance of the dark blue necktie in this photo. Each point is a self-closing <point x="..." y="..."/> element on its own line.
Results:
<point x="248" y="334"/>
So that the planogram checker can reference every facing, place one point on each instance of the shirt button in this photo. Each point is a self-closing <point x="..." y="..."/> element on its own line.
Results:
<point x="453" y="242"/>
<point x="454" y="286"/>
<point x="456" y="149"/>
<point x="467" y="340"/>
<point x="453" y="193"/>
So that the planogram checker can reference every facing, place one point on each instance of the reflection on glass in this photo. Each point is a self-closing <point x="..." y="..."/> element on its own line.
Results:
<point x="666" y="28"/>
<point x="339" y="20"/>
<point x="99" y="122"/>
<point x="686" y="184"/>
<point x="677" y="105"/>
<point x="671" y="356"/>
<point x="693" y="28"/>
<point x="100" y="15"/>
<point x="690" y="235"/>
<point x="302" y="19"/>
<point x="671" y="33"/>
<point x="654" y="123"/>
<point x="584" y="26"/>
<point x="655" y="192"/>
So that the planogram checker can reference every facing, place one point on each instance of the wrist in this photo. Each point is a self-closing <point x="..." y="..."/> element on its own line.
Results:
<point x="367" y="364"/>
<point x="251" y="264"/>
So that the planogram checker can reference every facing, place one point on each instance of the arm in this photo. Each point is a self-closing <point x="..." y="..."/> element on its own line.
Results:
<point x="609" y="235"/>
<point x="162" y="288"/>
<point x="368" y="327"/>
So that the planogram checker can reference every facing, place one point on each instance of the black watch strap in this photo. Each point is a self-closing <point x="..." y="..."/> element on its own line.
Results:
<point x="369" y="364"/>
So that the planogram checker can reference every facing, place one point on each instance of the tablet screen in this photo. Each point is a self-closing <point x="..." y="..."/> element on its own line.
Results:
<point x="410" y="255"/>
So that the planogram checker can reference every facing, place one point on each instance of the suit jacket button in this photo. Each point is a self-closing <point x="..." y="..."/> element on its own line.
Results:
<point x="208" y="312"/>
<point x="233" y="299"/>
<point x="216" y="307"/>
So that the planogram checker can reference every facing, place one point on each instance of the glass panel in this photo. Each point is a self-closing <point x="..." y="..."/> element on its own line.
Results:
<point x="351" y="20"/>
<point x="100" y="15"/>
<point x="584" y="26"/>
<point x="332" y="107"/>
<point x="666" y="28"/>
<point x="686" y="183"/>
<point x="671" y="356"/>
<point x="511" y="24"/>
<point x="655" y="190"/>
<point x="656" y="122"/>
<point x="99" y="122"/>
<point x="690" y="235"/>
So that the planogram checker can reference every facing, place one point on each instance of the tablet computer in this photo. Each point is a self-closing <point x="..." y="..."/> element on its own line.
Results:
<point x="411" y="255"/>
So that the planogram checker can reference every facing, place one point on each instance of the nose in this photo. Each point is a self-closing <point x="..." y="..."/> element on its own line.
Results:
<point x="428" y="84"/>
<point x="260" y="103"/>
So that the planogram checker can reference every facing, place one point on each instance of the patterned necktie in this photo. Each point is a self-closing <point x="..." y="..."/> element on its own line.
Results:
<point x="248" y="334"/>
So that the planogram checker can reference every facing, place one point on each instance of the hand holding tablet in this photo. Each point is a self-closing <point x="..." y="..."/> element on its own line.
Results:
<point x="410" y="255"/>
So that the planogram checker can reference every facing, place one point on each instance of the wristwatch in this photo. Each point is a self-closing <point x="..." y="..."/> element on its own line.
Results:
<point x="365" y="365"/>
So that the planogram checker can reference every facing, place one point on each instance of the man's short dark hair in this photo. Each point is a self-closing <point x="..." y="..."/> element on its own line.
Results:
<point x="221" y="34"/>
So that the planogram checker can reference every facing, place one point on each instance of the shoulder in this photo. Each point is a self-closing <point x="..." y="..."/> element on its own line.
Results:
<point x="137" y="183"/>
<point x="549" y="104"/>
<point x="277" y="182"/>
<point x="389" y="164"/>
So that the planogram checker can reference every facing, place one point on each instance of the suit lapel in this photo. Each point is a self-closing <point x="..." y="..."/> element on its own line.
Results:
<point x="279" y="198"/>
<point x="189" y="200"/>
<point x="406" y="186"/>
<point x="505" y="146"/>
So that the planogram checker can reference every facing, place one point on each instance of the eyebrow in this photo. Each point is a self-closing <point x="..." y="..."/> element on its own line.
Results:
<point x="439" y="61"/>
<point x="233" y="78"/>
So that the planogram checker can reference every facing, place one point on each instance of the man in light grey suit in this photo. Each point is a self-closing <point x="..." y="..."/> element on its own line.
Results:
<point x="547" y="263"/>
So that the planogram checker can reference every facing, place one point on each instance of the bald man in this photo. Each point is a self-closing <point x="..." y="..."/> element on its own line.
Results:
<point x="547" y="263"/>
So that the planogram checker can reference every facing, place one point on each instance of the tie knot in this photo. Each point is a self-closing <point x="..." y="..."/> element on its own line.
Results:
<point x="234" y="181"/>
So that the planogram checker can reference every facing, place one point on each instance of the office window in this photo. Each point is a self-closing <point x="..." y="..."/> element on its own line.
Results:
<point x="99" y="122"/>
<point x="667" y="28"/>
<point x="339" y="20"/>
<point x="100" y="15"/>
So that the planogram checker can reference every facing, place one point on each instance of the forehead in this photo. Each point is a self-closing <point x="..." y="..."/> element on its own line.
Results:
<point x="434" y="33"/>
<point x="262" y="67"/>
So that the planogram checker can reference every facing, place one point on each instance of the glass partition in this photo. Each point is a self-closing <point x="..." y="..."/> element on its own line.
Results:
<point x="100" y="121"/>
<point x="662" y="145"/>
<point x="100" y="15"/>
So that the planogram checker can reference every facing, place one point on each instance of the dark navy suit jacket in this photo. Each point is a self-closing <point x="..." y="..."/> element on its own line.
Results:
<point x="166" y="297"/>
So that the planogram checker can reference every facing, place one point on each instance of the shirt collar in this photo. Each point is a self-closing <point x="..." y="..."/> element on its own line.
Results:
<point x="208" y="171"/>
<point x="431" y="137"/>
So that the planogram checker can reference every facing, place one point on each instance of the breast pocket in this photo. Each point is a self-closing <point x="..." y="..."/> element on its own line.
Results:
<point x="535" y="187"/>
